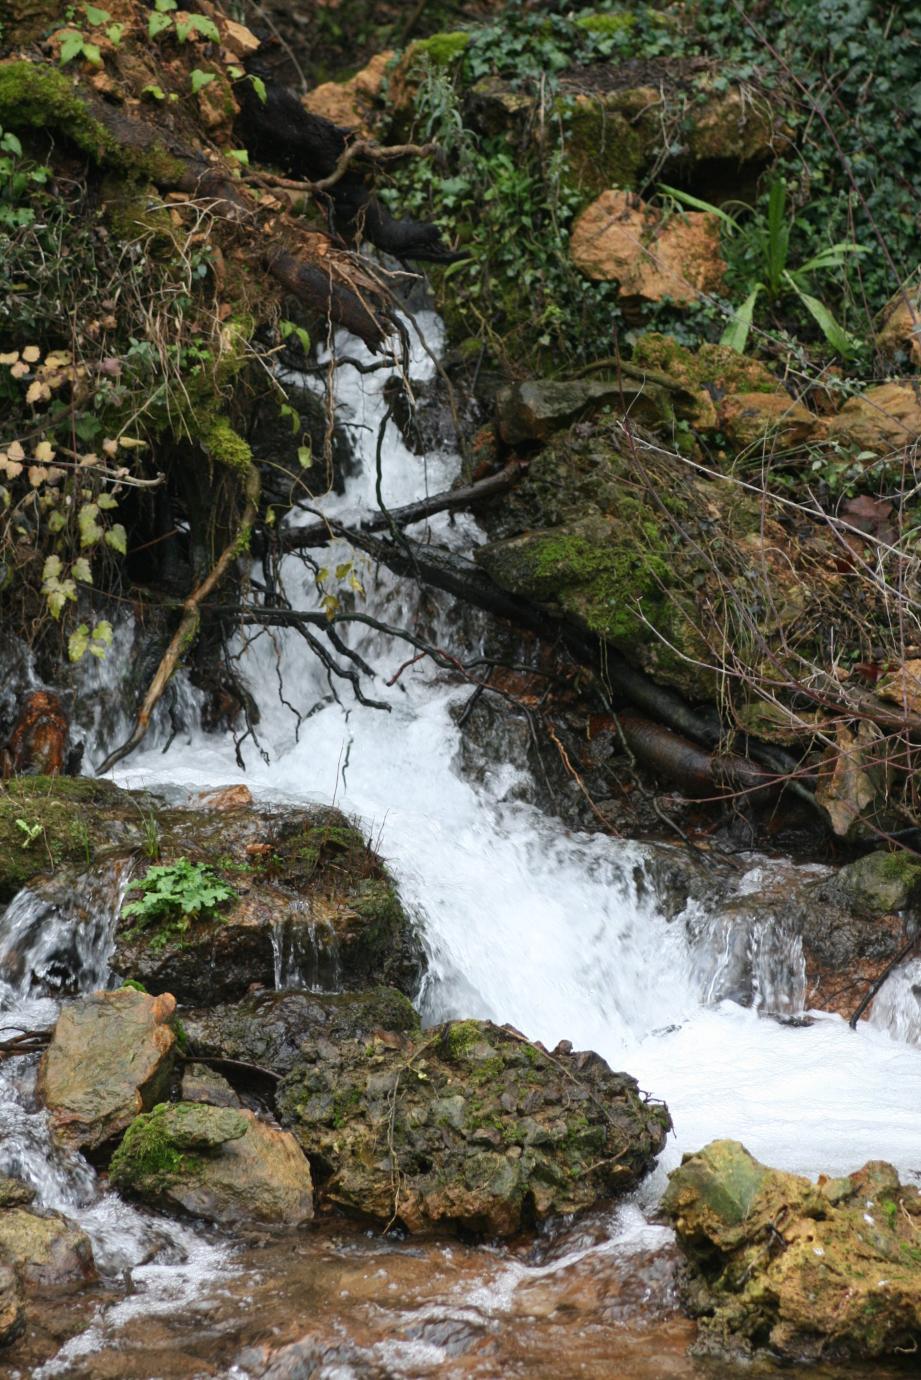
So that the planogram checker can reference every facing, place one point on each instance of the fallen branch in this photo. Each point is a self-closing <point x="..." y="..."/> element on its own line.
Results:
<point x="366" y="147"/>
<point x="323" y="532"/>
<point x="875" y="986"/>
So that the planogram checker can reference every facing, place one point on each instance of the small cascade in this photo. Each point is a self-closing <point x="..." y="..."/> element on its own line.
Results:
<point x="58" y="938"/>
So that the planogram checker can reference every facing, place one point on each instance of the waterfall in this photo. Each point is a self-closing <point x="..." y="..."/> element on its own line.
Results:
<point x="524" y="920"/>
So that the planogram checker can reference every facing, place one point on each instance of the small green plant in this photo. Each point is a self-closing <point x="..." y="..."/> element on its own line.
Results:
<point x="174" y="894"/>
<point x="764" y="242"/>
<point x="30" y="831"/>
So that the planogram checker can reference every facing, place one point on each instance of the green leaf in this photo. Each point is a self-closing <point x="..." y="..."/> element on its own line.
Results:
<point x="832" y="257"/>
<point x="241" y="155"/>
<point x="95" y="15"/>
<point x="164" y="6"/>
<point x="70" y="47"/>
<point x="117" y="538"/>
<point x="92" y="54"/>
<point x="736" y="333"/>
<point x="157" y="23"/>
<point x="838" y="338"/>
<point x="304" y="457"/>
<point x="102" y="633"/>
<point x="114" y="34"/>
<point x="199" y="79"/>
<point x="51" y="570"/>
<point x="259" y="88"/>
<point x="82" y="571"/>
<point x="197" y="24"/>
<point x="107" y="502"/>
<point x="156" y="91"/>
<point x="11" y="144"/>
<point x="235" y="73"/>
<point x="686" y="199"/>
<point x="90" y="530"/>
<point x="78" y="642"/>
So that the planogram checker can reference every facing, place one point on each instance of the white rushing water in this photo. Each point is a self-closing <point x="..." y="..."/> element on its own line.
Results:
<point x="524" y="920"/>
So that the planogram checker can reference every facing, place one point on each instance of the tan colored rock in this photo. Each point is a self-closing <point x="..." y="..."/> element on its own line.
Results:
<point x="109" y="1059"/>
<point x="747" y="418"/>
<point x="217" y="1163"/>
<point x="45" y="1251"/>
<point x="619" y="238"/>
<point x="882" y="419"/>
<point x="350" y="103"/>
<point x="225" y="798"/>
<point x="900" y="328"/>
<point x="237" y="38"/>
<point x="12" y="1312"/>
<point x="736" y="126"/>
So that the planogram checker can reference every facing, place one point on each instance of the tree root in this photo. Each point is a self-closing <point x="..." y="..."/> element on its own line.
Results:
<point x="187" y="631"/>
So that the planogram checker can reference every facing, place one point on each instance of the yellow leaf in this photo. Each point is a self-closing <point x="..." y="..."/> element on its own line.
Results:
<point x="37" y="475"/>
<point x="110" y="447"/>
<point x="130" y="442"/>
<point x="18" y="370"/>
<point x="37" y="392"/>
<point x="90" y="458"/>
<point x="15" y="451"/>
<point x="31" y="354"/>
<point x="56" y="360"/>
<point x="44" y="452"/>
<point x="9" y="358"/>
<point x="11" y="468"/>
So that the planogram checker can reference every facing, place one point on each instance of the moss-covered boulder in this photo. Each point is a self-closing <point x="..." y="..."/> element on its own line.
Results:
<point x="218" y="1163"/>
<point x="268" y="1029"/>
<point x="49" y="822"/>
<point x="877" y="884"/>
<point x="533" y="411"/>
<point x="12" y="1309"/>
<point x="799" y="1271"/>
<point x="314" y="906"/>
<point x="469" y="1125"/>
<point x="110" y="1057"/>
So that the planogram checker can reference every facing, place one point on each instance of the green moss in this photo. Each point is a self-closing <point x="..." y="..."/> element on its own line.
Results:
<point x="440" y="50"/>
<point x="606" y="25"/>
<point x="224" y="445"/>
<point x="37" y="96"/>
<point x="603" y="148"/>
<point x="711" y="366"/>
<point x="378" y="904"/>
<point x="70" y="813"/>
<point x="147" y="1154"/>
<point x="460" y="1037"/>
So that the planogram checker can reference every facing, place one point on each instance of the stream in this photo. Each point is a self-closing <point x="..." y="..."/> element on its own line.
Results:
<point x="524" y="921"/>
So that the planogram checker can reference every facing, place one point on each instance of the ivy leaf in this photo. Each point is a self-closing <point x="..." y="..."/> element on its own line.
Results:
<point x="304" y="457"/>
<point x="157" y="23"/>
<point x="51" y="570"/>
<point x="81" y="570"/>
<point x="259" y="88"/>
<point x="95" y="15"/>
<point x="156" y="91"/>
<point x="102" y="633"/>
<point x="117" y="538"/>
<point x="107" y="502"/>
<point x="70" y="47"/>
<point x="199" y="79"/>
<point x="78" y="642"/>
<point x="90" y="531"/>
<point x="114" y="34"/>
<point x="92" y="54"/>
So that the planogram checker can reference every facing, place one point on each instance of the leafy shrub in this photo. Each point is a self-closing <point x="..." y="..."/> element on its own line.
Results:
<point x="173" y="894"/>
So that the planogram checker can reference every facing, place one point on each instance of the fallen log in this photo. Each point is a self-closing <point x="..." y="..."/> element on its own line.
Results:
<point x="700" y="773"/>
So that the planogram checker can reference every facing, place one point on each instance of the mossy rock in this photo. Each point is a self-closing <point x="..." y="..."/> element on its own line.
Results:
<point x="877" y="884"/>
<point x="268" y="1028"/>
<point x="76" y="818"/>
<point x="467" y="1124"/>
<point x="792" y="1270"/>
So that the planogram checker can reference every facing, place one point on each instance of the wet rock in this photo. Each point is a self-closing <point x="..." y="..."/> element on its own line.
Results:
<point x="269" y="1028"/>
<point x="45" y="1251"/>
<point x="469" y="1125"/>
<point x="314" y="907"/>
<point x="876" y="884"/>
<point x="533" y="411"/>
<point x="12" y="1309"/>
<point x="76" y="818"/>
<point x="800" y="1271"/>
<point x="203" y="1084"/>
<point x="620" y="238"/>
<point x="225" y="798"/>
<point x="14" y="1193"/>
<point x="218" y="1163"/>
<point x="110" y="1057"/>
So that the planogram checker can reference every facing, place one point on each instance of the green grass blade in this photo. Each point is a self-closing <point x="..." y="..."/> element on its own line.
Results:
<point x="736" y="333"/>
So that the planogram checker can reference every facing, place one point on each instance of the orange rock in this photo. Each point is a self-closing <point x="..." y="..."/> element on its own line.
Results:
<point x="225" y="798"/>
<point x="38" y="742"/>
<point x="349" y="103"/>
<point x="618" y="237"/>
<point x="882" y="419"/>
<point x="747" y="418"/>
<point x="238" y="38"/>
<point x="901" y="324"/>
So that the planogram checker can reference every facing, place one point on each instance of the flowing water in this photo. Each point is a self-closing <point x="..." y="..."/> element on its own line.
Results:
<point x="524" y="921"/>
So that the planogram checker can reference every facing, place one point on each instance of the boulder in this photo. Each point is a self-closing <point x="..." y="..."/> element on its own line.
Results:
<point x="15" y="1193"/>
<point x="652" y="257"/>
<point x="900" y="326"/>
<point x="314" y="907"/>
<point x="802" y="1272"/>
<point x="882" y="419"/>
<point x="203" y="1084"/>
<point x="269" y="1028"/>
<point x="110" y="1057"/>
<point x="877" y="884"/>
<point x="45" y="1251"/>
<point x="533" y="411"/>
<point x="12" y="1310"/>
<point x="748" y="418"/>
<point x="350" y="104"/>
<point x="218" y="1163"/>
<point x="467" y="1125"/>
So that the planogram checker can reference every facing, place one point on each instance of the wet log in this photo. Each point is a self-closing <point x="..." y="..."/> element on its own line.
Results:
<point x="700" y="774"/>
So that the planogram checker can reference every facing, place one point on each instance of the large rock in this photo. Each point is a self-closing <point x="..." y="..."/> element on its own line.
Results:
<point x="110" y="1057"/>
<point x="314" y="907"/>
<point x="877" y="884"/>
<point x="12" y="1309"/>
<point x="801" y="1271"/>
<point x="45" y="1251"/>
<point x="269" y="1028"/>
<point x="882" y="419"/>
<point x="533" y="411"/>
<point x="218" y="1163"/>
<point x="468" y="1124"/>
<point x="618" y="237"/>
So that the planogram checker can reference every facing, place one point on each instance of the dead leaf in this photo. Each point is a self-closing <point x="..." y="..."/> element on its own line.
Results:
<point x="845" y="789"/>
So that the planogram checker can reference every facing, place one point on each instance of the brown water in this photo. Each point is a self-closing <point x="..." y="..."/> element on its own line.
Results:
<point x="338" y="1303"/>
